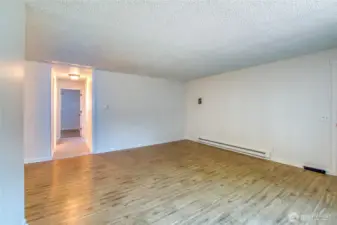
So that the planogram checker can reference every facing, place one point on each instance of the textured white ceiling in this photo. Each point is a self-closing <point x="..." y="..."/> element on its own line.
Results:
<point x="178" y="39"/>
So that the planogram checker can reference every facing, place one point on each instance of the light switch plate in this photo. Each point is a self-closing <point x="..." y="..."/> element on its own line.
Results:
<point x="325" y="118"/>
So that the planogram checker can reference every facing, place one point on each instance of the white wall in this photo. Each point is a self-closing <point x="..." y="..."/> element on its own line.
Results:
<point x="142" y="111"/>
<point x="135" y="111"/>
<point x="276" y="107"/>
<point x="38" y="105"/>
<point x="12" y="36"/>
<point x="37" y="112"/>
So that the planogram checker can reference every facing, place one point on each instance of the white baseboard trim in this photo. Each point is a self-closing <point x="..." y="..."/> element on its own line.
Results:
<point x="101" y="151"/>
<point x="36" y="160"/>
<point x="285" y="162"/>
<point x="282" y="161"/>
<point x="331" y="173"/>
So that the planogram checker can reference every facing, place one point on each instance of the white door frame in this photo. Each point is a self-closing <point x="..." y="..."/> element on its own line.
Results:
<point x="93" y="112"/>
<point x="55" y="111"/>
<point x="333" y="71"/>
<point x="55" y="118"/>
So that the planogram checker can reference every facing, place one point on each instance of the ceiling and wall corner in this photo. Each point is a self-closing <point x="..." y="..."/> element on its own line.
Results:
<point x="177" y="39"/>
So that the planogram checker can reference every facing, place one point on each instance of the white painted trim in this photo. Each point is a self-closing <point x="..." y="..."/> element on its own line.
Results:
<point x="333" y="137"/>
<point x="251" y="152"/>
<point x="102" y="151"/>
<point x="93" y="113"/>
<point x="277" y="160"/>
<point x="35" y="160"/>
<point x="286" y="162"/>
<point x="298" y="165"/>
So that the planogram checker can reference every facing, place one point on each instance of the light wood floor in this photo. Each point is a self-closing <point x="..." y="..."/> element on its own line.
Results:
<point x="177" y="183"/>
<point x="70" y="147"/>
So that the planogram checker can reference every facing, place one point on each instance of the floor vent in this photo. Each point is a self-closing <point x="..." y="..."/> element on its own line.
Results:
<point x="246" y="151"/>
<point x="314" y="169"/>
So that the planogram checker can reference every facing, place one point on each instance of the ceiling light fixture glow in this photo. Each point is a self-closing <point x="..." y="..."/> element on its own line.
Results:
<point x="74" y="76"/>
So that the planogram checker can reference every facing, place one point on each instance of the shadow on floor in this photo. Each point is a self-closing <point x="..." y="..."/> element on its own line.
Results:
<point x="70" y="133"/>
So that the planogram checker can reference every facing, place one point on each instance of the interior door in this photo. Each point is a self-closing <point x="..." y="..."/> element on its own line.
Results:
<point x="70" y="109"/>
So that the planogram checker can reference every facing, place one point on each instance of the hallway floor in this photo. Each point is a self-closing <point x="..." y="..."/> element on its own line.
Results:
<point x="71" y="147"/>
<point x="70" y="133"/>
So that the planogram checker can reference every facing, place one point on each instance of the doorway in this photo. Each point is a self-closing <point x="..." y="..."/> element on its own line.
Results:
<point x="71" y="113"/>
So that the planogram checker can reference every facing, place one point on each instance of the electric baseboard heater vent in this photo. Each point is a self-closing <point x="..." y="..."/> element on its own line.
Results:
<point x="316" y="170"/>
<point x="242" y="150"/>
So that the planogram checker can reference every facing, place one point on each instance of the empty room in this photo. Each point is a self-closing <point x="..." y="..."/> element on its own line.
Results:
<point x="168" y="112"/>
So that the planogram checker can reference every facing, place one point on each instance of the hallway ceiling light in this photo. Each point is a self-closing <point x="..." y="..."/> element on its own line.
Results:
<point x="74" y="76"/>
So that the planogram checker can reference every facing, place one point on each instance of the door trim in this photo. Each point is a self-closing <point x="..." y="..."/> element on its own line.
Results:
<point x="333" y="116"/>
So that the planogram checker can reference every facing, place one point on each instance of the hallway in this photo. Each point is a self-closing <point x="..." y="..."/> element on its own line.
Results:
<point x="71" y="147"/>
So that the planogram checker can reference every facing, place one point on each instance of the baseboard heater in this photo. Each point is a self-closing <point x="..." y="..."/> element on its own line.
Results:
<point x="242" y="150"/>
<point x="316" y="170"/>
